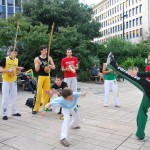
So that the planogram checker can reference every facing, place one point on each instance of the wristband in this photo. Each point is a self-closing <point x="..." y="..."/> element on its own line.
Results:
<point x="46" y="110"/>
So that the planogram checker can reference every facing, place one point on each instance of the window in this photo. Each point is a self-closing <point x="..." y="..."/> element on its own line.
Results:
<point x="129" y="1"/>
<point x="130" y="34"/>
<point x="10" y="2"/>
<point x="115" y="28"/>
<point x="133" y="22"/>
<point x="126" y="14"/>
<point x="130" y="24"/>
<point x="137" y="33"/>
<point x="126" y="25"/>
<point x="137" y="10"/>
<point x="140" y="8"/>
<point x="137" y="21"/>
<point x="133" y="11"/>
<point x="141" y="20"/>
<point x="118" y="28"/>
<point x="127" y="36"/>
<point x="133" y="33"/>
<point x="141" y="32"/>
<point x="132" y="2"/>
<point x="120" y="6"/>
<point x="130" y="13"/>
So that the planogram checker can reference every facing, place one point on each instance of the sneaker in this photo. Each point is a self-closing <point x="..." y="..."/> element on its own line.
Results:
<point x="64" y="142"/>
<point x="142" y="140"/>
<point x="5" y="118"/>
<point x="117" y="106"/>
<point x="34" y="112"/>
<point x="77" y="127"/>
<point x="106" y="105"/>
<point x="111" y="60"/>
<point x="17" y="114"/>
<point x="59" y="113"/>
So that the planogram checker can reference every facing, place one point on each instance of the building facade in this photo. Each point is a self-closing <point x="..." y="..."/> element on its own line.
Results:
<point x="8" y="8"/>
<point x="128" y="19"/>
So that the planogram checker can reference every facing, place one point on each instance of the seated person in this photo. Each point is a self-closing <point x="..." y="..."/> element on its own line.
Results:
<point x="95" y="72"/>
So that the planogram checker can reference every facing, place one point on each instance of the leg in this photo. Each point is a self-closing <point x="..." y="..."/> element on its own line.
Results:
<point x="39" y="93"/>
<point x="142" y="117"/>
<point x="46" y="87"/>
<point x="107" y="90"/>
<point x="74" y="84"/>
<point x="64" y="129"/>
<point x="13" y="96"/>
<point x="68" y="81"/>
<point x="75" y="118"/>
<point x="115" y="92"/>
<point x="5" y="96"/>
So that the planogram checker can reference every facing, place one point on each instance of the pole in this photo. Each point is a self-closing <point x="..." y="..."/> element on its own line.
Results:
<point x="123" y="21"/>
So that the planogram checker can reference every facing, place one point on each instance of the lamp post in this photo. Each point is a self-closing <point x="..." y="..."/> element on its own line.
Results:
<point x="123" y="16"/>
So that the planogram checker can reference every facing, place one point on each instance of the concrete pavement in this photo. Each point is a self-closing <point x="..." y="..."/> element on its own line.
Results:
<point x="102" y="128"/>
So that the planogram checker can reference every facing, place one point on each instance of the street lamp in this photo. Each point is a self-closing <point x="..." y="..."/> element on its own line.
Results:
<point x="123" y="16"/>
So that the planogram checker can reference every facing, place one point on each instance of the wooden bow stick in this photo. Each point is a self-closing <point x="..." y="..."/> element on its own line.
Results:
<point x="47" y="68"/>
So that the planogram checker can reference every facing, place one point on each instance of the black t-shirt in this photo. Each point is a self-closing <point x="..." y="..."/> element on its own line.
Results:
<point x="59" y="88"/>
<point x="44" y="62"/>
<point x="3" y="62"/>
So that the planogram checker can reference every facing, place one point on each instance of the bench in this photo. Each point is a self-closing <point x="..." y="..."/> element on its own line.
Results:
<point x="96" y="78"/>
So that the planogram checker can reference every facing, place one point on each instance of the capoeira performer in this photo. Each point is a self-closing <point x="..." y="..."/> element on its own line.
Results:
<point x="134" y="77"/>
<point x="68" y="102"/>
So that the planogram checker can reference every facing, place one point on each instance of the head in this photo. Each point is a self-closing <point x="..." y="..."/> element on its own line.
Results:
<point x="59" y="80"/>
<point x="132" y="71"/>
<point x="69" y="52"/>
<point x="94" y="65"/>
<point x="43" y="50"/>
<point x="13" y="52"/>
<point x="67" y="94"/>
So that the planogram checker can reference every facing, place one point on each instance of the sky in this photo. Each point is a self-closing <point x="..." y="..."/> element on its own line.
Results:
<point x="89" y="2"/>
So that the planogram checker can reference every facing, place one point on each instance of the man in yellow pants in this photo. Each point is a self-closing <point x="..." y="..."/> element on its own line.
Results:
<point x="43" y="85"/>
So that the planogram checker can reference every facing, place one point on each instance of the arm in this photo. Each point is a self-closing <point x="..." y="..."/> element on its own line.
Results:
<point x="52" y="65"/>
<point x="2" y="65"/>
<point x="143" y="74"/>
<point x="37" y="64"/>
<point x="104" y="69"/>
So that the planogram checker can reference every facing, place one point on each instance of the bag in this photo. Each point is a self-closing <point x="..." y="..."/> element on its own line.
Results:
<point x="30" y="102"/>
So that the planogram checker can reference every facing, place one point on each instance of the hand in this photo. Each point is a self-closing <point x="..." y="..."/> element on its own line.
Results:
<point x="43" y="113"/>
<point x="110" y="70"/>
<point x="20" y="68"/>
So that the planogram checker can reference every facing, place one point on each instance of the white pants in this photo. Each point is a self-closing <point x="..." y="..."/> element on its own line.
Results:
<point x="73" y="122"/>
<point x="107" y="85"/>
<point x="72" y="83"/>
<point x="9" y="90"/>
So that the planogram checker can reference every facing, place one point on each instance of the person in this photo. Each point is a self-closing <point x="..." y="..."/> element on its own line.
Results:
<point x="147" y="69"/>
<point x="68" y="102"/>
<point x="9" y="68"/>
<point x="69" y="65"/>
<point x="139" y="80"/>
<point x="40" y="63"/>
<point x="95" y="72"/>
<point x="59" y="85"/>
<point x="110" y="80"/>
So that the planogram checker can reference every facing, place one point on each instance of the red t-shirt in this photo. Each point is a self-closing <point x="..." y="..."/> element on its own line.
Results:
<point x="69" y="61"/>
<point x="148" y="70"/>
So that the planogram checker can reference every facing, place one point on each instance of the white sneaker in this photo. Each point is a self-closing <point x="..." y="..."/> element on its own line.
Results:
<point x="106" y="105"/>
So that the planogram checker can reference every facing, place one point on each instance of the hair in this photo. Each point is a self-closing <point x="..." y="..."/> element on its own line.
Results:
<point x="12" y="49"/>
<point x="42" y="47"/>
<point x="66" y="92"/>
<point x="59" y="77"/>
<point x="68" y="49"/>
<point x="94" y="65"/>
<point x="133" y="68"/>
<point x="149" y="54"/>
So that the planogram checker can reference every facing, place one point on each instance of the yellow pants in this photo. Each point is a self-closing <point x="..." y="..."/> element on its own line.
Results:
<point x="42" y="87"/>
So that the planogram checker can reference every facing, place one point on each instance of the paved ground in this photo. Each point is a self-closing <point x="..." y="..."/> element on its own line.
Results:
<point x="102" y="129"/>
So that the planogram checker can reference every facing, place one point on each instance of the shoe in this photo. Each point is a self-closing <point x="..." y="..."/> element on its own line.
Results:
<point x="106" y="105"/>
<point x="5" y="118"/>
<point x="34" y="112"/>
<point x="117" y="106"/>
<point x="111" y="60"/>
<point x="59" y="113"/>
<point x="77" y="127"/>
<point x="142" y="140"/>
<point x="17" y="114"/>
<point x="62" y="117"/>
<point x="64" y="142"/>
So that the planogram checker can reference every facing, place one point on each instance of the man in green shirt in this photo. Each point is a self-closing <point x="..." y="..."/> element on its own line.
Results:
<point x="110" y="80"/>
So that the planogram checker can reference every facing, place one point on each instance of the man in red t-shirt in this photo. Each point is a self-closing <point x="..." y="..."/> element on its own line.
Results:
<point x="69" y="65"/>
<point x="147" y="69"/>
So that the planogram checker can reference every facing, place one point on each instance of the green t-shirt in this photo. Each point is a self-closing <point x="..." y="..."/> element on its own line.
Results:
<point x="109" y="76"/>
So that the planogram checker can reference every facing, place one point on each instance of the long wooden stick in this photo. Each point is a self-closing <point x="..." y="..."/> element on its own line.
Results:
<point x="50" y="41"/>
<point x="15" y="41"/>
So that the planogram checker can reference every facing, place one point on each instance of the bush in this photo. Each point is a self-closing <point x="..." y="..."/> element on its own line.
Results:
<point x="83" y="76"/>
